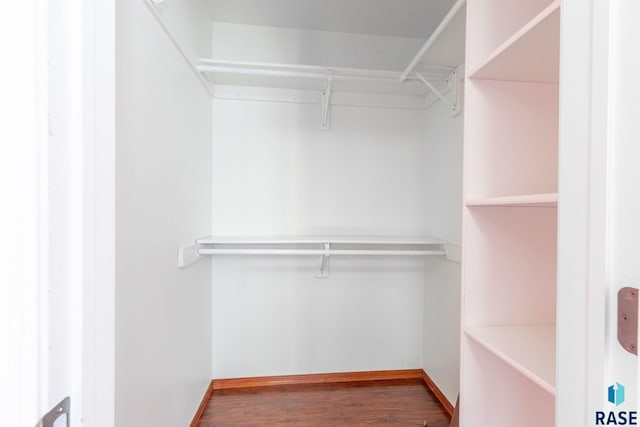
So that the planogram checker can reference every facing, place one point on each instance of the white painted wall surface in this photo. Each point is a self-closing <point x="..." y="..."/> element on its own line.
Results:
<point x="238" y="42"/>
<point x="23" y="275"/>
<point x="443" y="218"/>
<point x="443" y="173"/>
<point x="273" y="173"/>
<point x="163" y="201"/>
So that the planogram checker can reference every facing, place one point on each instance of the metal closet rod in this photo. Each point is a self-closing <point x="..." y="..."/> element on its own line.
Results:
<point x="323" y="252"/>
<point x="432" y="39"/>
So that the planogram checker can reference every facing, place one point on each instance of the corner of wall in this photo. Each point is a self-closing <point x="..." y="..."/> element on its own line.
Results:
<point x="441" y="317"/>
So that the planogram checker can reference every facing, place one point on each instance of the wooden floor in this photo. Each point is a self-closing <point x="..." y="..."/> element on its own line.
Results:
<point x="364" y="403"/>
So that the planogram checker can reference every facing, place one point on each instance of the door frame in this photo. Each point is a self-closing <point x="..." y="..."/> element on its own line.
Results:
<point x="582" y="211"/>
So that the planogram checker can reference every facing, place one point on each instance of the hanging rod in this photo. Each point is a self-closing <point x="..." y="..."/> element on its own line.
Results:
<point x="432" y="39"/>
<point x="152" y="6"/>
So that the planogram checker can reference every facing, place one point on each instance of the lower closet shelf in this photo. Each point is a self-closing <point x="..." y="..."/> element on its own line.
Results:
<point x="530" y="349"/>
<point x="323" y="246"/>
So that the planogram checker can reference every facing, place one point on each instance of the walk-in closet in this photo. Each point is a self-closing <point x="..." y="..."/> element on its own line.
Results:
<point x="432" y="197"/>
<point x="295" y="169"/>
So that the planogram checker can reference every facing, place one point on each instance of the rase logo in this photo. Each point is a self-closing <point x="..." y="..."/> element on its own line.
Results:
<point x="615" y="396"/>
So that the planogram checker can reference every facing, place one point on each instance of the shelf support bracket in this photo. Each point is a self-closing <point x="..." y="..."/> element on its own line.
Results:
<point x="323" y="271"/>
<point x="433" y="89"/>
<point x="325" y="102"/>
<point x="452" y="85"/>
<point x="187" y="255"/>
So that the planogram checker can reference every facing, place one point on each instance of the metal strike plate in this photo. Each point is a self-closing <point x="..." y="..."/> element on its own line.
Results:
<point x="59" y="416"/>
<point x="628" y="319"/>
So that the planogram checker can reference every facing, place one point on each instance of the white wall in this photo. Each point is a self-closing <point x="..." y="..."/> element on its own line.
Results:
<point x="443" y="170"/>
<point x="163" y="201"/>
<point x="376" y="171"/>
<point x="273" y="173"/>
<point x="23" y="133"/>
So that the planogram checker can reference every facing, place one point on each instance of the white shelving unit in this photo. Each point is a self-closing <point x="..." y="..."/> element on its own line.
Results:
<point x="509" y="242"/>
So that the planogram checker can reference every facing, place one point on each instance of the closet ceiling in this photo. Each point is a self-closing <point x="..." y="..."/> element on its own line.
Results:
<point x="400" y="18"/>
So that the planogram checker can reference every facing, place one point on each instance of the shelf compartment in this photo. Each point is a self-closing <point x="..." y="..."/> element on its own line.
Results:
<point x="492" y="22"/>
<point x="510" y="266"/>
<point x="532" y="54"/>
<point x="526" y="200"/>
<point x="529" y="349"/>
<point x="512" y="146"/>
<point x="497" y="394"/>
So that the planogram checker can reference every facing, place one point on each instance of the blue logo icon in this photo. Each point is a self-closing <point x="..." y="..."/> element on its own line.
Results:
<point x="615" y="394"/>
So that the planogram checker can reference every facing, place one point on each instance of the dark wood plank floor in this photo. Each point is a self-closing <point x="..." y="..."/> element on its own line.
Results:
<point x="366" y="403"/>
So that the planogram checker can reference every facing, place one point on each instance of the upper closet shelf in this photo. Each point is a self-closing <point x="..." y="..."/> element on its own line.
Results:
<point x="532" y="54"/>
<point x="432" y="70"/>
<point x="311" y="77"/>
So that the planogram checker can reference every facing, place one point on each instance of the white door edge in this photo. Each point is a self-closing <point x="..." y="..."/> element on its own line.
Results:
<point x="582" y="221"/>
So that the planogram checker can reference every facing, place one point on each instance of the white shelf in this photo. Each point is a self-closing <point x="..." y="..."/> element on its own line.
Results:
<point x="312" y="77"/>
<point x="532" y="54"/>
<point x="527" y="200"/>
<point x="530" y="349"/>
<point x="438" y="57"/>
<point x="322" y="246"/>
<point x="307" y="240"/>
<point x="314" y="246"/>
